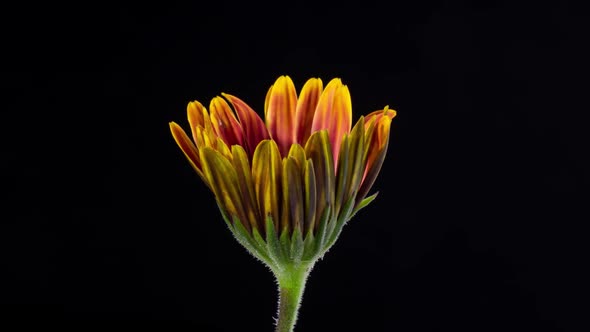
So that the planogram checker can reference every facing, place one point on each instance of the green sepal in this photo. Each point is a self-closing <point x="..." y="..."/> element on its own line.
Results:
<point x="322" y="229"/>
<point x="262" y="244"/>
<point x="363" y="203"/>
<point x="309" y="247"/>
<point x="343" y="218"/>
<point x="225" y="217"/>
<point x="336" y="223"/>
<point x="285" y="241"/>
<point x="246" y="240"/>
<point x="346" y="212"/>
<point x="297" y="248"/>
<point x="258" y="238"/>
<point x="273" y="244"/>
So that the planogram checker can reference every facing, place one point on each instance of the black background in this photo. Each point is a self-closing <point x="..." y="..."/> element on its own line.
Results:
<point x="479" y="225"/>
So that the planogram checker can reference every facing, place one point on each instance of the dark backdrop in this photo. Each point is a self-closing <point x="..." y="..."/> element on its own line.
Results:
<point x="479" y="225"/>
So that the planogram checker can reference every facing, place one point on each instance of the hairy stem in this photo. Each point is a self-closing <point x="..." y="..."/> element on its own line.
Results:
<point x="291" y="282"/>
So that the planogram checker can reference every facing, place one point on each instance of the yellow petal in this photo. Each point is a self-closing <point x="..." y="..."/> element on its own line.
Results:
<point x="342" y="174"/>
<point x="224" y="183"/>
<point x="386" y="111"/>
<point x="280" y="113"/>
<point x="197" y="116"/>
<point x="306" y="106"/>
<point x="223" y="148"/>
<point x="266" y="175"/>
<point x="357" y="158"/>
<point x="298" y="154"/>
<point x="376" y="116"/>
<point x="292" y="214"/>
<point x="188" y="148"/>
<point x="205" y="138"/>
<point x="351" y="166"/>
<point x="244" y="176"/>
<point x="383" y="126"/>
<point x="318" y="149"/>
<point x="310" y="197"/>
<point x="377" y="132"/>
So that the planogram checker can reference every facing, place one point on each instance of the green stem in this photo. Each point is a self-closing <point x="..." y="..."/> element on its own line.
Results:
<point x="291" y="282"/>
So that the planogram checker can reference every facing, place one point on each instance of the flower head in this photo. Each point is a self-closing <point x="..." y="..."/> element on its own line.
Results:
<point x="287" y="185"/>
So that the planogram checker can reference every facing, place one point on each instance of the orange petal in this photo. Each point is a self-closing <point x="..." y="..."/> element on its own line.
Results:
<point x="377" y="144"/>
<point x="188" y="148"/>
<point x="197" y="116"/>
<point x="190" y="151"/>
<point x="334" y="113"/>
<point x="225" y="123"/>
<point x="376" y="115"/>
<point x="306" y="106"/>
<point x="253" y="127"/>
<point x="280" y="113"/>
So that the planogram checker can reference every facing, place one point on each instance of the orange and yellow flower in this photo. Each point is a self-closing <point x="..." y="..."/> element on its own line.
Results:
<point x="295" y="177"/>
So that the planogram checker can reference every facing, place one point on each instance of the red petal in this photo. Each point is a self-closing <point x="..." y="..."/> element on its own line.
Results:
<point x="253" y="128"/>
<point x="224" y="122"/>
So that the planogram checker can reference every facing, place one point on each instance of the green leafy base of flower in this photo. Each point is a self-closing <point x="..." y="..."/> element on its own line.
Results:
<point x="291" y="257"/>
<point x="280" y="250"/>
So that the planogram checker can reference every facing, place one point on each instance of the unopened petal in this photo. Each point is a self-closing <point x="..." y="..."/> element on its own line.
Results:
<point x="292" y="214"/>
<point x="377" y="115"/>
<point x="377" y="144"/>
<point x="224" y="183"/>
<point x="351" y="165"/>
<point x="342" y="173"/>
<point x="377" y="126"/>
<point x="310" y="197"/>
<point x="318" y="149"/>
<point x="266" y="175"/>
<point x="298" y="154"/>
<point x="357" y="158"/>
<point x="246" y="184"/>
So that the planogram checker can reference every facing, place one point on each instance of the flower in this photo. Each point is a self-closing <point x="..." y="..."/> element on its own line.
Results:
<point x="286" y="186"/>
<point x="295" y="178"/>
